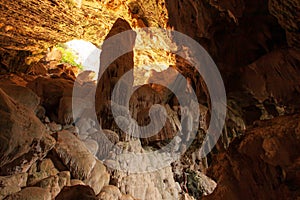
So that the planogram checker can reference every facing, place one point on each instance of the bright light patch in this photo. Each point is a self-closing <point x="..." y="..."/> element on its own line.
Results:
<point x="88" y="55"/>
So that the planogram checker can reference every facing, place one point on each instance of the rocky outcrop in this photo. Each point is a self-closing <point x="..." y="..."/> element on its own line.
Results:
<point x="25" y="36"/>
<point x="288" y="17"/>
<point x="274" y="78"/>
<point x="114" y="64"/>
<point x="23" y="137"/>
<point x="12" y="184"/>
<point x="223" y="29"/>
<point x="262" y="164"/>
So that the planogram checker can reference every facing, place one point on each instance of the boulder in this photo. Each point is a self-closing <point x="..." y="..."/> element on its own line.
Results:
<point x="30" y="193"/>
<point x="23" y="137"/>
<point x="12" y="184"/>
<point x="22" y="95"/>
<point x="51" y="90"/>
<point x="40" y="171"/>
<point x="81" y="163"/>
<point x="109" y="192"/>
<point x="51" y="184"/>
<point x="77" y="192"/>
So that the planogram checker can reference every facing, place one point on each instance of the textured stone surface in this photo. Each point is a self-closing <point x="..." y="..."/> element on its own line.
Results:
<point x="51" y="184"/>
<point x="109" y="192"/>
<point x="77" y="192"/>
<point x="155" y="185"/>
<point x="116" y="68"/>
<point x="260" y="164"/>
<point x="81" y="163"/>
<point x="31" y="193"/>
<point x="40" y="171"/>
<point x="51" y="90"/>
<point x="274" y="76"/>
<point x="23" y="137"/>
<point x="287" y="14"/>
<point x="159" y="184"/>
<point x="12" y="184"/>
<point x="22" y="95"/>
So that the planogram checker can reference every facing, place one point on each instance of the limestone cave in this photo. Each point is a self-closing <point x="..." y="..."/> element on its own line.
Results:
<point x="149" y="100"/>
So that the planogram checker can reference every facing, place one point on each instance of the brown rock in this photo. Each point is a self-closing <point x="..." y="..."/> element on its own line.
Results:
<point x="76" y="182"/>
<point x="116" y="68"/>
<point x="77" y="192"/>
<point x="261" y="164"/>
<point x="22" y="95"/>
<point x="74" y="155"/>
<point x="126" y="197"/>
<point x="51" y="184"/>
<point x="98" y="177"/>
<point x="64" y="179"/>
<point x="37" y="69"/>
<point x="23" y="137"/>
<point x="109" y="192"/>
<point x="274" y="76"/>
<point x="12" y="184"/>
<point x="40" y="171"/>
<point x="54" y="127"/>
<point x="80" y="161"/>
<point x="111" y="135"/>
<point x="50" y="91"/>
<point x="31" y="193"/>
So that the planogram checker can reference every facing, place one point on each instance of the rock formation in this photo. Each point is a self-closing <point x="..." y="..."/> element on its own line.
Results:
<point x="51" y="149"/>
<point x="116" y="60"/>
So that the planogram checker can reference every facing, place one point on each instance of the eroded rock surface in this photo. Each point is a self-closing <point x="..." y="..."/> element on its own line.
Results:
<point x="82" y="164"/>
<point x="116" y="59"/>
<point x="23" y="137"/>
<point x="262" y="164"/>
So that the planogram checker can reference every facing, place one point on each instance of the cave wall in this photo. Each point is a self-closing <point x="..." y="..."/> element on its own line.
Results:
<point x="235" y="33"/>
<point x="253" y="43"/>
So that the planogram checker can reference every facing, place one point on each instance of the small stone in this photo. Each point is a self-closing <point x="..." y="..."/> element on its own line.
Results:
<point x="84" y="125"/>
<point x="40" y="112"/>
<point x="41" y="171"/>
<point x="55" y="127"/>
<point x="48" y="166"/>
<point x="92" y="145"/>
<point x="47" y="120"/>
<point x="92" y="131"/>
<point x="109" y="192"/>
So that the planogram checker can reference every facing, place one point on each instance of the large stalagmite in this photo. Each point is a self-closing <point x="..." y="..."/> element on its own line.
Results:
<point x="113" y="66"/>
